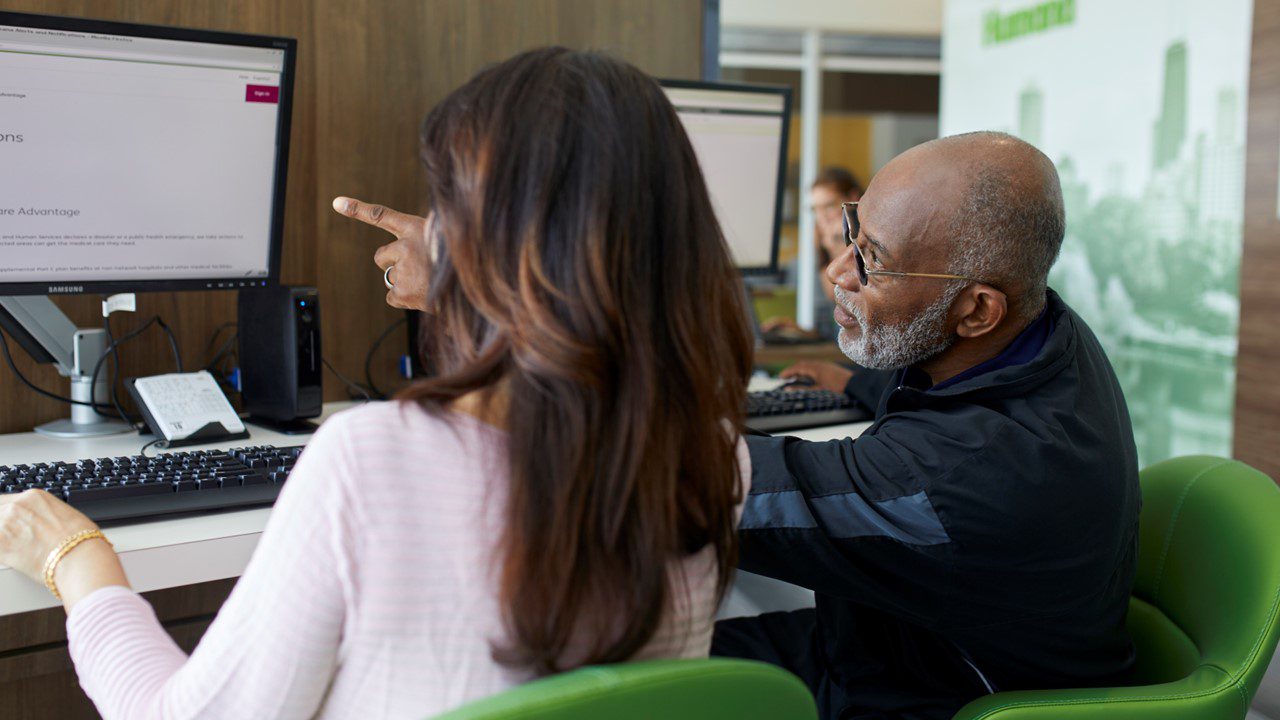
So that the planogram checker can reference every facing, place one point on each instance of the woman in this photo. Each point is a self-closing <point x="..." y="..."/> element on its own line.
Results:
<point x="563" y="492"/>
<point x="833" y="187"/>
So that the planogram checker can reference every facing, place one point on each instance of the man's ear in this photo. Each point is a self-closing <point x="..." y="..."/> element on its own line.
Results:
<point x="981" y="309"/>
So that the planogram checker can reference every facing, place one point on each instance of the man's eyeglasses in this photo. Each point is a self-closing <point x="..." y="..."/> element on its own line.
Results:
<point x="851" y="230"/>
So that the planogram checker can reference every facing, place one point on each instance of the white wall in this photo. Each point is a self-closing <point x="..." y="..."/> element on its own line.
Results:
<point x="867" y="17"/>
<point x="1266" y="704"/>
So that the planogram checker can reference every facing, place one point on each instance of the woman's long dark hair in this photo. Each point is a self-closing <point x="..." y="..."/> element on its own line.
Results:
<point x="580" y="273"/>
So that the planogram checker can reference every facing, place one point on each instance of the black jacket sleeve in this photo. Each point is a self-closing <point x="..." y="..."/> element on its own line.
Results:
<point x="846" y="518"/>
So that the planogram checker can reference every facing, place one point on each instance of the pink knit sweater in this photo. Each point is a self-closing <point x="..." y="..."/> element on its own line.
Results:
<point x="371" y="593"/>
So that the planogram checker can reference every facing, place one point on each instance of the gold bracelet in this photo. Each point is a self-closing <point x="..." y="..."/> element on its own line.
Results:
<point x="66" y="546"/>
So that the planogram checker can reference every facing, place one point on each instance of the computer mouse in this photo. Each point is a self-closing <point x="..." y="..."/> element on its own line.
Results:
<point x="799" y="381"/>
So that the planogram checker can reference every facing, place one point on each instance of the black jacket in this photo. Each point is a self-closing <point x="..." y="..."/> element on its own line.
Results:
<point x="977" y="538"/>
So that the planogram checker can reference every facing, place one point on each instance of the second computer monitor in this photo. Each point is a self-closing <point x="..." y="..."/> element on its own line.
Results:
<point x="739" y="133"/>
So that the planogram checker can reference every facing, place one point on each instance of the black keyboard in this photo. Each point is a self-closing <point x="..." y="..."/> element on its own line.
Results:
<point x="777" y="410"/>
<point x="136" y="486"/>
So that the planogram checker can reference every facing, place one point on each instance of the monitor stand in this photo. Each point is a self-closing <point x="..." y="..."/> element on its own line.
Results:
<point x="84" y="422"/>
<point x="49" y="336"/>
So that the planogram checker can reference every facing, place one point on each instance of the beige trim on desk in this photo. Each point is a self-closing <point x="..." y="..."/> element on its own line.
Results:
<point x="169" y="553"/>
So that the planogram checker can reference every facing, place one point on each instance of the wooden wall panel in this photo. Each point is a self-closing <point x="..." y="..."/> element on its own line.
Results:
<point x="36" y="675"/>
<point x="368" y="71"/>
<point x="1257" y="414"/>
<point x="381" y="78"/>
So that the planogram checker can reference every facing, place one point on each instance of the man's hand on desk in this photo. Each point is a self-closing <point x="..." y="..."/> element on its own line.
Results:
<point x="825" y="375"/>
<point x="34" y="523"/>
<point x="408" y="256"/>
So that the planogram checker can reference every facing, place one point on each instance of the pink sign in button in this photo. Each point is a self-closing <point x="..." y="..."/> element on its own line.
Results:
<point x="262" y="94"/>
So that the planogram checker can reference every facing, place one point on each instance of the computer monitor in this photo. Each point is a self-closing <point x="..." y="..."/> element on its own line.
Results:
<point x="739" y="133"/>
<point x="132" y="158"/>
<point x="138" y="158"/>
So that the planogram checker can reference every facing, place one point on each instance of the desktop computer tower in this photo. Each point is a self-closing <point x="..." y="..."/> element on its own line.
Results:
<point x="413" y="323"/>
<point x="280" y="360"/>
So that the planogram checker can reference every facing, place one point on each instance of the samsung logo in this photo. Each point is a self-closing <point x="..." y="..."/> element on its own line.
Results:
<point x="65" y="289"/>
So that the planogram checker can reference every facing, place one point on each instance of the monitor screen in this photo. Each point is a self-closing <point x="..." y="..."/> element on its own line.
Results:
<point x="739" y="133"/>
<point x="139" y="158"/>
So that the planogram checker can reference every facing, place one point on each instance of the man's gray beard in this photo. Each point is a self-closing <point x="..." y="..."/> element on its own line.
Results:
<point x="893" y="346"/>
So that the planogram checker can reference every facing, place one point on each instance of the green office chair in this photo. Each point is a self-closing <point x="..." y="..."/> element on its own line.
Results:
<point x="653" y="690"/>
<point x="1204" y="606"/>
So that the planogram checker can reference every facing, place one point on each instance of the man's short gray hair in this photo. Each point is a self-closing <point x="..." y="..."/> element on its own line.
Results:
<point x="1010" y="227"/>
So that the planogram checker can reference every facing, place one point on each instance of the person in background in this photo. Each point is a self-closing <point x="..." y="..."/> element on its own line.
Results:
<point x="564" y="492"/>
<point x="833" y="186"/>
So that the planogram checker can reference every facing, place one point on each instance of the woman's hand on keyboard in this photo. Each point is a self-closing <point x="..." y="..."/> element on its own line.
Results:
<point x="410" y="252"/>
<point x="33" y="523"/>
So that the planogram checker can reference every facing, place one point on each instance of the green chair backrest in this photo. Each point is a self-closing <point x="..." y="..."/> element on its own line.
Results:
<point x="1203" y="615"/>
<point x="653" y="690"/>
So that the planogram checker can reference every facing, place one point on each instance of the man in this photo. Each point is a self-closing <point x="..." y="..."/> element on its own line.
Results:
<point x="981" y="535"/>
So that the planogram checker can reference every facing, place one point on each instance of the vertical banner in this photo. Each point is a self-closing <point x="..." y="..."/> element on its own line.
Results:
<point x="1141" y="104"/>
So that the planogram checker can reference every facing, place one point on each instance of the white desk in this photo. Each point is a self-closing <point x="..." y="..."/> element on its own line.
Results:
<point x="163" y="554"/>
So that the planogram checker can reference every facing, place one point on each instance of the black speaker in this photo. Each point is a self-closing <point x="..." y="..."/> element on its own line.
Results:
<point x="280" y="360"/>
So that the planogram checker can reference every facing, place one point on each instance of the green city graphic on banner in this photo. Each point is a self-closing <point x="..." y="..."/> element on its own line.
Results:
<point x="1141" y="104"/>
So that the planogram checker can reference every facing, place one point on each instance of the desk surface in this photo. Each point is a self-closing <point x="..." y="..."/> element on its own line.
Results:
<point x="776" y="357"/>
<point x="162" y="554"/>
